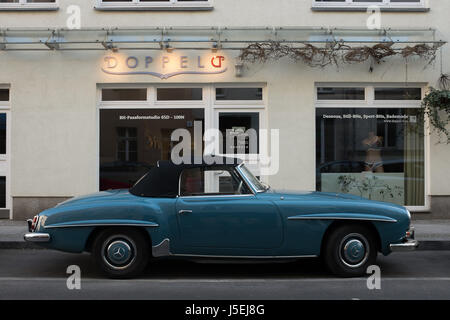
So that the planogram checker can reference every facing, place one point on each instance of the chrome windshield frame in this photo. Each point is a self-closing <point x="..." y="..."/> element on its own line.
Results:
<point x="244" y="177"/>
<point x="240" y="174"/>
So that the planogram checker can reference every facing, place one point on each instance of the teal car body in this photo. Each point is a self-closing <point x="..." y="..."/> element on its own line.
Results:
<point x="260" y="224"/>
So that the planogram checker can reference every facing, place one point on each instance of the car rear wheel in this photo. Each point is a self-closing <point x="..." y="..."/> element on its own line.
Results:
<point x="349" y="250"/>
<point x="121" y="253"/>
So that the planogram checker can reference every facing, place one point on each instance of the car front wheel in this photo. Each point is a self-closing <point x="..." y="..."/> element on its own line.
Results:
<point x="350" y="250"/>
<point x="121" y="253"/>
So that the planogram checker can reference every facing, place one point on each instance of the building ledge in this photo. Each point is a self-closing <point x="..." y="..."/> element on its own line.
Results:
<point x="364" y="9"/>
<point x="29" y="7"/>
<point x="139" y="7"/>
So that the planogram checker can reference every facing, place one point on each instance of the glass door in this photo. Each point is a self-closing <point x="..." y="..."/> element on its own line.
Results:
<point x="239" y="131"/>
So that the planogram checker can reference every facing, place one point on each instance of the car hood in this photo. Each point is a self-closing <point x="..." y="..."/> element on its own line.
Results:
<point x="330" y="199"/>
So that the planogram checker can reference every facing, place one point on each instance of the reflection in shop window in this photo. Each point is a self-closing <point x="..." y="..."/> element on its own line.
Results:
<point x="124" y="94"/>
<point x="338" y="93"/>
<point x="127" y="144"/>
<point x="398" y="94"/>
<point x="239" y="94"/>
<point x="132" y="141"/>
<point x="376" y="153"/>
<point x="179" y="94"/>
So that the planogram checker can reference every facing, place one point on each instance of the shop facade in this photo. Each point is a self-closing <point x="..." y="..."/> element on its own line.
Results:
<point x="98" y="117"/>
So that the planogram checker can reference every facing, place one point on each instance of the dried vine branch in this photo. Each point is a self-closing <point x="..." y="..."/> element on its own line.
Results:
<point x="377" y="53"/>
<point x="333" y="53"/>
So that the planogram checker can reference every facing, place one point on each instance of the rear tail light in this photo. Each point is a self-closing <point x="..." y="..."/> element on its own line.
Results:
<point x="34" y="223"/>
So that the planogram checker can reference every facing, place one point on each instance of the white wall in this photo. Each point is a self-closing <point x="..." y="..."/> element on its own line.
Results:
<point x="54" y="118"/>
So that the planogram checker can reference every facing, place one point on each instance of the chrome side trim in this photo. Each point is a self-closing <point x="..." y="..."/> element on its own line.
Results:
<point x="37" y="237"/>
<point x="342" y="218"/>
<point x="217" y="196"/>
<point x="243" y="257"/>
<point x="162" y="249"/>
<point x="103" y="225"/>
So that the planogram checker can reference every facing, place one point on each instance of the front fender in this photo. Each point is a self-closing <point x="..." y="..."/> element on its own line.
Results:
<point x="70" y="226"/>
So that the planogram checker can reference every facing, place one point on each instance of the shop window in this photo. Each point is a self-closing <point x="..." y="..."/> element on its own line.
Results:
<point x="376" y="153"/>
<point x="4" y="94"/>
<point x="398" y="94"/>
<point x="132" y="141"/>
<point x="124" y="94"/>
<point x="179" y="94"/>
<point x="2" y="133"/>
<point x="239" y="94"/>
<point x="338" y="93"/>
<point x="240" y="132"/>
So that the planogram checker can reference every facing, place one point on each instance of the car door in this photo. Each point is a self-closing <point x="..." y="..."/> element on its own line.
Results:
<point x="216" y="209"/>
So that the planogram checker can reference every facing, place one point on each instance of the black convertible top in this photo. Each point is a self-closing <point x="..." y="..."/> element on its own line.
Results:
<point x="162" y="180"/>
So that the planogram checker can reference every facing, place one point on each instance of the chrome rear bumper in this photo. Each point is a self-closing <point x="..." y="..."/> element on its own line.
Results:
<point x="37" y="237"/>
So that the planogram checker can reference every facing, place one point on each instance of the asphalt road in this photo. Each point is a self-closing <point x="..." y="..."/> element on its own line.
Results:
<point x="41" y="274"/>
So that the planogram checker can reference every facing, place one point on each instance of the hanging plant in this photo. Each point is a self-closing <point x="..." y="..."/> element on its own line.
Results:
<point x="444" y="81"/>
<point x="436" y="106"/>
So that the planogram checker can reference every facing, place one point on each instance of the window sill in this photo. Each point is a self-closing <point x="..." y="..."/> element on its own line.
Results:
<point x="364" y="9"/>
<point x="29" y="7"/>
<point x="154" y="7"/>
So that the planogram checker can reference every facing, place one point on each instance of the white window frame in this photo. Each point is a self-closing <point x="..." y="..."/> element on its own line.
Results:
<point x="372" y="103"/>
<point x="208" y="104"/>
<point x="5" y="107"/>
<point x="383" y="4"/>
<point x="24" y="5"/>
<point x="157" y="5"/>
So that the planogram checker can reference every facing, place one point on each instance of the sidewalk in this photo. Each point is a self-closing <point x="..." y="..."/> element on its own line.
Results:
<point x="432" y="234"/>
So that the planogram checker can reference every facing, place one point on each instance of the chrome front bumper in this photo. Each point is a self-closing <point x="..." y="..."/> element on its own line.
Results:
<point x="37" y="237"/>
<point x="410" y="244"/>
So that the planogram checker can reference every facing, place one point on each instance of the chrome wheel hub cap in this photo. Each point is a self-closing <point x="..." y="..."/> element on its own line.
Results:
<point x="119" y="253"/>
<point x="354" y="250"/>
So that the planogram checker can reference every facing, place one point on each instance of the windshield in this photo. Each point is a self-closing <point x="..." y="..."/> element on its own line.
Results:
<point x="258" y="185"/>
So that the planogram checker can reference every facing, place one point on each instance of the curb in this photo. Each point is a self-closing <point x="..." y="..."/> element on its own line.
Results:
<point x="443" y="245"/>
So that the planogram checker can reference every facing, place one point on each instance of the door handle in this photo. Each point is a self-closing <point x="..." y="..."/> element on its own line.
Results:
<point x="184" y="211"/>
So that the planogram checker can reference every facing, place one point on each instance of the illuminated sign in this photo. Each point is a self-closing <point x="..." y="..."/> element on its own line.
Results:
<point x="164" y="66"/>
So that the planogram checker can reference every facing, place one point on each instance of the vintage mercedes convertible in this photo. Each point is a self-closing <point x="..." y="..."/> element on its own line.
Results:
<point x="221" y="211"/>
